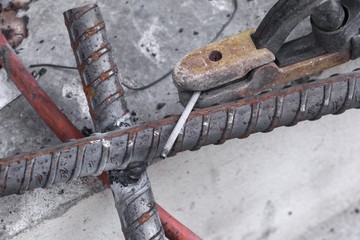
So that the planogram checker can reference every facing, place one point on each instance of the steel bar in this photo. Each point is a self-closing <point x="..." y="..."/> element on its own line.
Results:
<point x="31" y="86"/>
<point x="96" y="66"/>
<point x="104" y="92"/>
<point x="137" y="210"/>
<point x="136" y="206"/>
<point x="174" y="230"/>
<point x="39" y="100"/>
<point x="214" y="125"/>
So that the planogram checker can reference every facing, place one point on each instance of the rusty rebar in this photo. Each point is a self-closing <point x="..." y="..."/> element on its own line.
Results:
<point x="104" y="92"/>
<point x="138" y="211"/>
<point x="214" y="125"/>
<point x="96" y="66"/>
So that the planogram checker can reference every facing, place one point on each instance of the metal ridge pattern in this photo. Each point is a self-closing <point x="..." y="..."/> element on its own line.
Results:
<point x="137" y="209"/>
<point x="96" y="66"/>
<point x="144" y="143"/>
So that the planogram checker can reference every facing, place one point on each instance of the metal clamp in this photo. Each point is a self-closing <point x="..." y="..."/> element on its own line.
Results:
<point x="251" y="63"/>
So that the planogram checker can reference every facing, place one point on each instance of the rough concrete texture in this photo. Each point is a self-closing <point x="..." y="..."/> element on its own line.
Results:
<point x="294" y="183"/>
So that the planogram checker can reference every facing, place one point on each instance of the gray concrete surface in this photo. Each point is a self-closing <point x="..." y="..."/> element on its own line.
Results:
<point x="294" y="183"/>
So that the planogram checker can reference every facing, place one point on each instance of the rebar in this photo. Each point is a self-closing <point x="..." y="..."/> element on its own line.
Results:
<point x="137" y="210"/>
<point x="108" y="109"/>
<point x="214" y="125"/>
<point x="96" y="66"/>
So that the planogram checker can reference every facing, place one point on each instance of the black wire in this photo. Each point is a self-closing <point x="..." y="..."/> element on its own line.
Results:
<point x="171" y="71"/>
<point x="165" y="75"/>
<point x="149" y="85"/>
<point x="235" y="3"/>
<point x="52" y="65"/>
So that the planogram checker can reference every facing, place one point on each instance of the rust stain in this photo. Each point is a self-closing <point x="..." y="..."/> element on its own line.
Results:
<point x="81" y="68"/>
<point x="91" y="31"/>
<point x="78" y="12"/>
<point x="103" y="49"/>
<point x="106" y="75"/>
<point x="92" y="93"/>
<point x="312" y="66"/>
<point x="74" y="45"/>
<point x="270" y="75"/>
<point x="103" y="77"/>
<point x="221" y="62"/>
<point x="97" y="21"/>
<point x="144" y="218"/>
<point x="109" y="100"/>
<point x="87" y="89"/>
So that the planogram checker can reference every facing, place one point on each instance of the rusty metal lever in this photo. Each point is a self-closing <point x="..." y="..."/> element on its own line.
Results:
<point x="247" y="64"/>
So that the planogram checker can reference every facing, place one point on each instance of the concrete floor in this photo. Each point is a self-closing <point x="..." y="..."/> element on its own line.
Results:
<point x="294" y="183"/>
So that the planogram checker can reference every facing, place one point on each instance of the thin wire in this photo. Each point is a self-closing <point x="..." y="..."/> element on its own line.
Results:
<point x="235" y="4"/>
<point x="149" y="85"/>
<point x="52" y="65"/>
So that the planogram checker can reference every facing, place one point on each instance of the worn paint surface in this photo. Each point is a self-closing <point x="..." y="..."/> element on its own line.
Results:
<point x="266" y="78"/>
<point x="220" y="63"/>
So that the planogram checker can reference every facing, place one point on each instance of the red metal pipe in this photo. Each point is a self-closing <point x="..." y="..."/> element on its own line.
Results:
<point x="174" y="229"/>
<point x="61" y="125"/>
<point x="38" y="99"/>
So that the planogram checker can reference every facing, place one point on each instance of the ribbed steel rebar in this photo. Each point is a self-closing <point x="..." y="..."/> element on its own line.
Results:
<point x="96" y="66"/>
<point x="117" y="149"/>
<point x="137" y="209"/>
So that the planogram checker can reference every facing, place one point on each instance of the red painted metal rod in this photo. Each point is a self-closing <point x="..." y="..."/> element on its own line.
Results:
<point x="38" y="99"/>
<point x="174" y="229"/>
